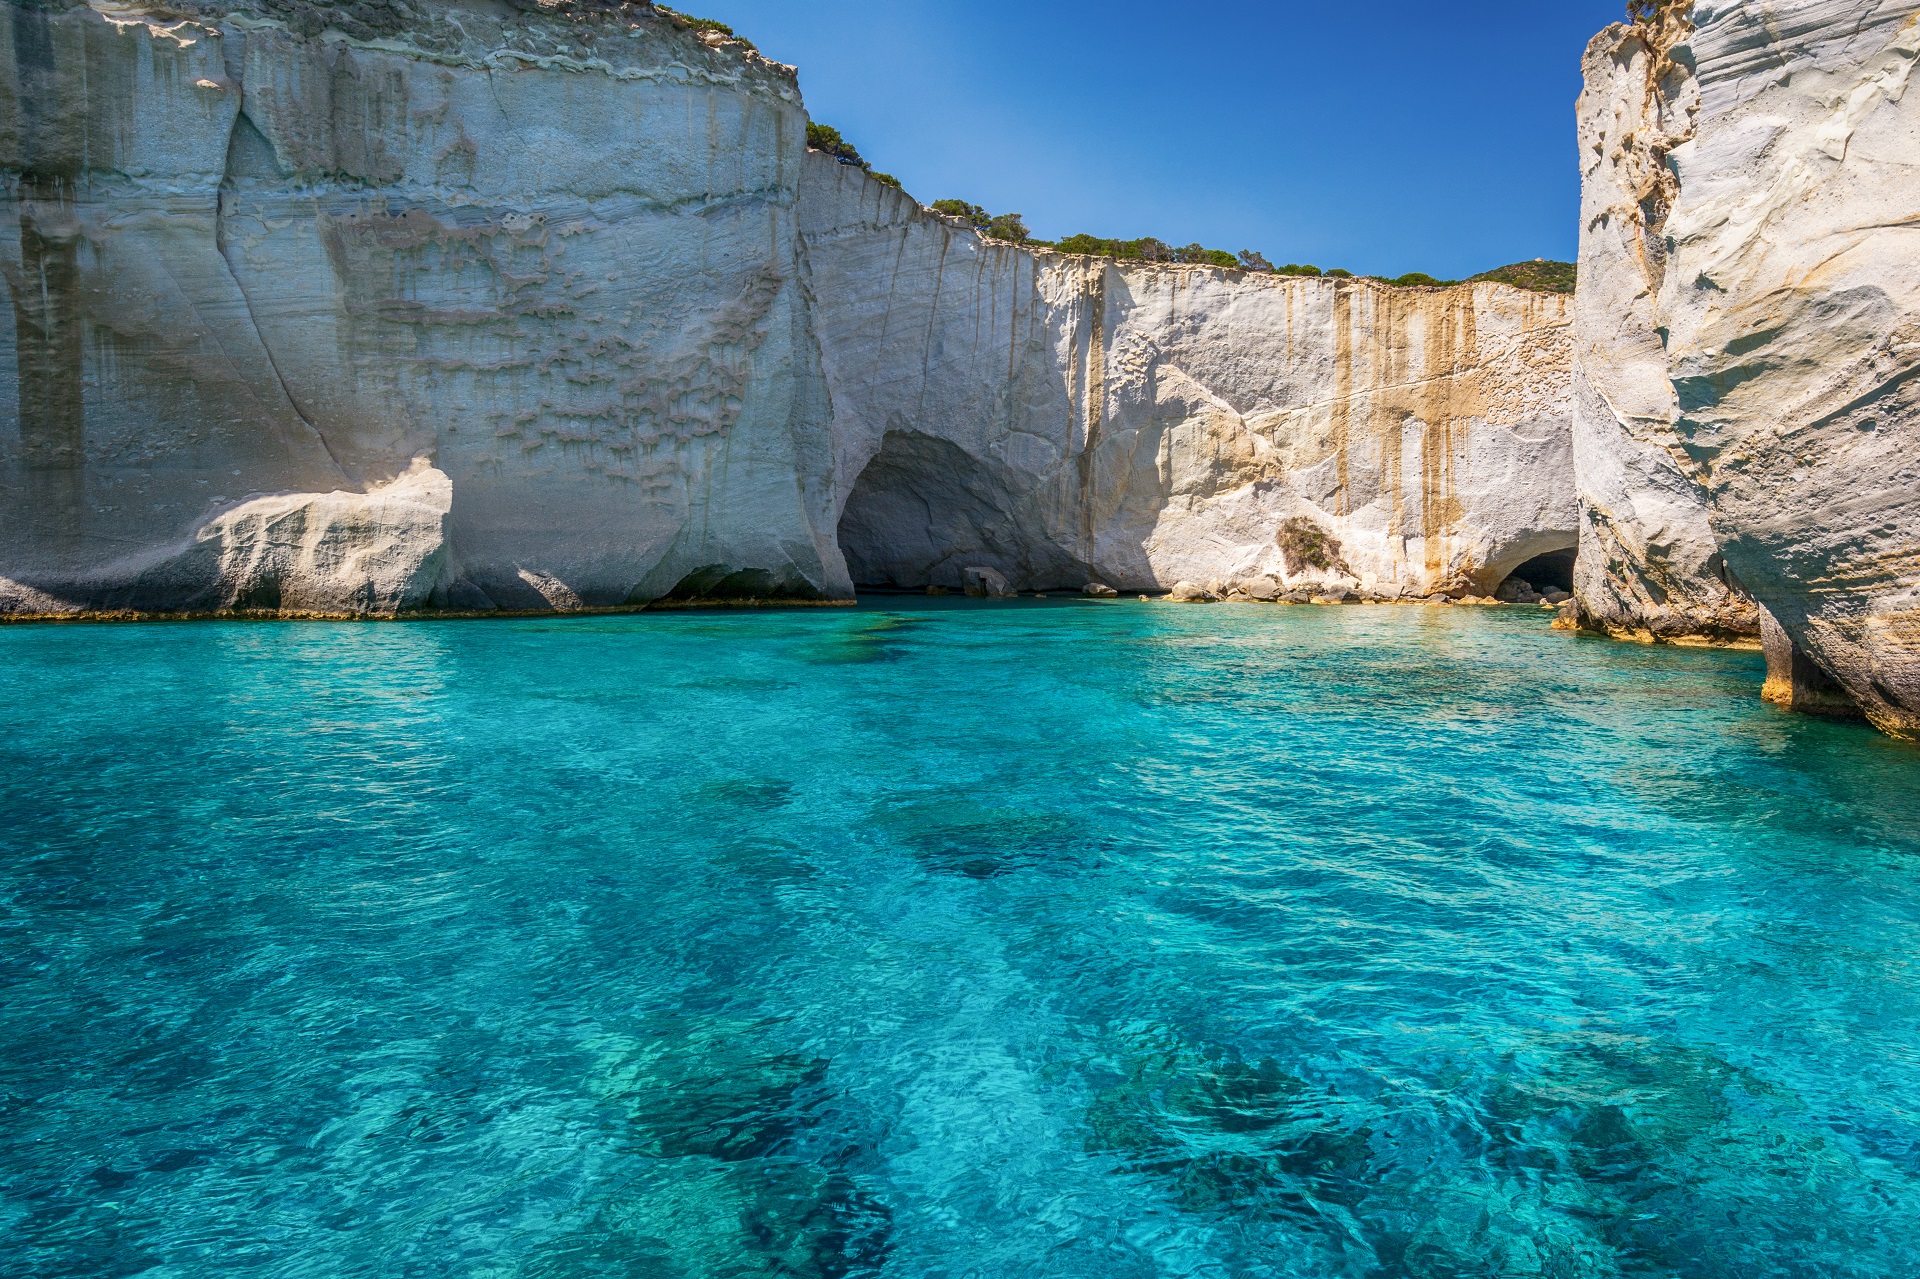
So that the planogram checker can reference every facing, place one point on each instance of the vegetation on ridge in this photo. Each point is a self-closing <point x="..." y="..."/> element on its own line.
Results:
<point x="704" y="24"/>
<point x="824" y="137"/>
<point x="1537" y="276"/>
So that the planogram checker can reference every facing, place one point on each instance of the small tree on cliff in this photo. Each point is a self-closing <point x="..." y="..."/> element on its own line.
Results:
<point x="824" y="137"/>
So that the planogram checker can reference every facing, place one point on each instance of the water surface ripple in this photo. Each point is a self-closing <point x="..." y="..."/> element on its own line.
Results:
<point x="934" y="940"/>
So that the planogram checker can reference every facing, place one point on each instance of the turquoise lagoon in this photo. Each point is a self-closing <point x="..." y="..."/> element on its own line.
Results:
<point x="936" y="940"/>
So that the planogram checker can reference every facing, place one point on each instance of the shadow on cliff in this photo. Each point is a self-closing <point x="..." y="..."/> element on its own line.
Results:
<point x="925" y="509"/>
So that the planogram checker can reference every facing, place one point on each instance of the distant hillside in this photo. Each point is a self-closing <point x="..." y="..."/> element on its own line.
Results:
<point x="1539" y="275"/>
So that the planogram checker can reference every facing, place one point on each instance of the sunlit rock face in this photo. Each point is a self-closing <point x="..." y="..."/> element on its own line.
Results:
<point x="1789" y="299"/>
<point x="1650" y="566"/>
<point x="251" y="260"/>
<point x="1063" y="418"/>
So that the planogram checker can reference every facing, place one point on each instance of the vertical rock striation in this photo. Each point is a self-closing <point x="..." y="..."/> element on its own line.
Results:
<point x="1787" y="302"/>
<point x="273" y="249"/>
<point x="1060" y="417"/>
<point x="399" y="305"/>
<point x="1650" y="566"/>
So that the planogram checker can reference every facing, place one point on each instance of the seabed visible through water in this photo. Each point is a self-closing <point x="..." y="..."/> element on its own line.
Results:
<point x="939" y="939"/>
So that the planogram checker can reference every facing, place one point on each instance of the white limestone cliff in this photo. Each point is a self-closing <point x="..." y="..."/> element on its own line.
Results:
<point x="552" y="253"/>
<point x="1789" y="301"/>
<point x="565" y="273"/>
<point x="1144" y="425"/>
<point x="1650" y="567"/>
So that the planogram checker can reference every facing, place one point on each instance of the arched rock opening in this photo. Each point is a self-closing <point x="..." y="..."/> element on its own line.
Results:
<point x="923" y="510"/>
<point x="1544" y="573"/>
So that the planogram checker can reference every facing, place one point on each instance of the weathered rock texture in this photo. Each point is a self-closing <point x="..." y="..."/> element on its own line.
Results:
<point x="1783" y="220"/>
<point x="405" y="304"/>
<point x="1064" y="418"/>
<point x="1650" y="566"/>
<point x="555" y="255"/>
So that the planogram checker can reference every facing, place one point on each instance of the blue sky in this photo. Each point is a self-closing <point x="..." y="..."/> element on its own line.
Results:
<point x="1383" y="136"/>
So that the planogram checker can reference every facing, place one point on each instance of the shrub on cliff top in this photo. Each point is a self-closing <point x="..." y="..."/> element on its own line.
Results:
<point x="1539" y="276"/>
<point x="972" y="214"/>
<point x="824" y="137"/>
<point x="704" y="24"/>
<point x="1001" y="226"/>
<point x="1149" y="249"/>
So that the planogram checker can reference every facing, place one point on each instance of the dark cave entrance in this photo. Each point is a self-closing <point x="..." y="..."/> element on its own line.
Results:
<point x="1552" y="571"/>
<point x="923" y="510"/>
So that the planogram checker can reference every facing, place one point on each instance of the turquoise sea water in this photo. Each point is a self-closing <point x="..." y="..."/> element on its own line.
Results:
<point x="936" y="939"/>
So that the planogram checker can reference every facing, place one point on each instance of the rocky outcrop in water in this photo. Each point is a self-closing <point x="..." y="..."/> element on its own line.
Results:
<point x="1064" y="417"/>
<point x="1777" y="251"/>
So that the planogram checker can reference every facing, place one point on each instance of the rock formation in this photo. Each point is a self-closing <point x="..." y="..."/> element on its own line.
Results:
<point x="554" y="253"/>
<point x="1064" y="418"/>
<point x="1650" y="566"/>
<point x="1776" y="244"/>
<point x="393" y="305"/>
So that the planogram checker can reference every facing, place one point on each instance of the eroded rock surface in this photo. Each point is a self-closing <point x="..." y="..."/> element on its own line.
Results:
<point x="1650" y="566"/>
<point x="275" y="264"/>
<point x="552" y="252"/>
<point x="1065" y="417"/>
<point x="1789" y="299"/>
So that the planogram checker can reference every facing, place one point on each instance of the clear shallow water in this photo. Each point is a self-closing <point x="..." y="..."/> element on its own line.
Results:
<point x="938" y="940"/>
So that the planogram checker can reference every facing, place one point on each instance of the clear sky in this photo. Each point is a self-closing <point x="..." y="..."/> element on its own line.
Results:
<point x="1383" y="136"/>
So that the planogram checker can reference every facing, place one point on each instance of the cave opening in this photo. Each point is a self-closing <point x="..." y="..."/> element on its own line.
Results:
<point x="1552" y="571"/>
<point x="922" y="511"/>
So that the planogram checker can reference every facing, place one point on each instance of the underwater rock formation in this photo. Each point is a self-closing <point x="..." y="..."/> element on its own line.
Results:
<point x="1064" y="417"/>
<point x="552" y="252"/>
<point x="1777" y="250"/>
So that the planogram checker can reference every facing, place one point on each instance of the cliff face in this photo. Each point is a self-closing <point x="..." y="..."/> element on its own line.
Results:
<point x="368" y="308"/>
<point x="1790" y="305"/>
<point x="1650" y="566"/>
<point x="550" y="260"/>
<point x="1145" y="424"/>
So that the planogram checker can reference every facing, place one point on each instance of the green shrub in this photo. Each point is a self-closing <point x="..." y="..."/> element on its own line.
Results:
<point x="1295" y="268"/>
<point x="1149" y="249"/>
<point x="824" y="137"/>
<point x="1338" y="274"/>
<point x="1539" y="276"/>
<point x="1008" y="226"/>
<point x="1306" y="545"/>
<point x="704" y="24"/>
<point x="1252" y="261"/>
<point x="884" y="179"/>
<point x="972" y="214"/>
<point x="1419" y="280"/>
